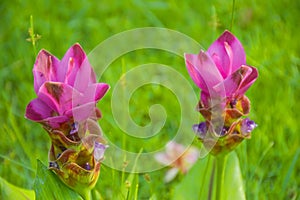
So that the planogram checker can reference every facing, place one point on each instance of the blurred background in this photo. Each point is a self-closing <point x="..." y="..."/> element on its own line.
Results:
<point x="269" y="31"/>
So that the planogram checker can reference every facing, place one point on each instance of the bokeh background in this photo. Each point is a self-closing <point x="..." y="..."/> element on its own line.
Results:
<point x="269" y="31"/>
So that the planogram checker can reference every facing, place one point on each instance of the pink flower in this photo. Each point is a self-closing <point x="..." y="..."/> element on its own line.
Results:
<point x="221" y="71"/>
<point x="180" y="158"/>
<point x="67" y="90"/>
<point x="223" y="77"/>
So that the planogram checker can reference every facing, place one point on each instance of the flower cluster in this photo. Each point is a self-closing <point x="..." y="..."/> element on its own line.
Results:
<point x="223" y="77"/>
<point x="67" y="93"/>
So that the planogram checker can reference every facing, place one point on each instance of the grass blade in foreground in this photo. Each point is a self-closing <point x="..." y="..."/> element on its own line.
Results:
<point x="10" y="191"/>
<point x="48" y="186"/>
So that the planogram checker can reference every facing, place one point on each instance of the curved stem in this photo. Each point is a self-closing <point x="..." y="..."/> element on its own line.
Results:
<point x="221" y="164"/>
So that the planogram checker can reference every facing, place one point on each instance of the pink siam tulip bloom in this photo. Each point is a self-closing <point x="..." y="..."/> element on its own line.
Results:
<point x="67" y="90"/>
<point x="223" y="77"/>
<point x="67" y="93"/>
<point x="221" y="71"/>
<point x="179" y="158"/>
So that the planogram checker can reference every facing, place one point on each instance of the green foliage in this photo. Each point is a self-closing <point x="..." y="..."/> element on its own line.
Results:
<point x="48" y="186"/>
<point x="233" y="183"/>
<point x="268" y="30"/>
<point x="10" y="191"/>
<point x="200" y="173"/>
<point x="203" y="173"/>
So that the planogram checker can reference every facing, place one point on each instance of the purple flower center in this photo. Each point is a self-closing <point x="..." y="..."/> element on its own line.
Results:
<point x="74" y="128"/>
<point x="224" y="131"/>
<point x="99" y="151"/>
<point x="200" y="129"/>
<point x="53" y="164"/>
<point x="87" y="166"/>
<point x="248" y="126"/>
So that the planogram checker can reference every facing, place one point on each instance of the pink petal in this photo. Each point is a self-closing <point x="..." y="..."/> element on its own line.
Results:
<point x="83" y="112"/>
<point x="238" y="53"/>
<point x="220" y="57"/>
<point x="191" y="61"/>
<point x="230" y="84"/>
<point x="171" y="174"/>
<point x="228" y="53"/>
<point x="70" y="64"/>
<point x="55" y="122"/>
<point x="80" y="73"/>
<point x="248" y="81"/>
<point x="58" y="96"/>
<point x="40" y="112"/>
<point x="203" y="70"/>
<point x="93" y="78"/>
<point x="163" y="158"/>
<point x="101" y="89"/>
<point x="174" y="150"/>
<point x="45" y="69"/>
<point x="83" y="77"/>
<point x="233" y="82"/>
<point x="37" y="110"/>
<point x="94" y="92"/>
<point x="191" y="156"/>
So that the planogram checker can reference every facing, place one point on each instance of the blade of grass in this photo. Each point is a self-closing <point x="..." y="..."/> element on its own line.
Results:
<point x="290" y="170"/>
<point x="261" y="158"/>
<point x="136" y="191"/>
<point x="17" y="163"/>
<point x="20" y="138"/>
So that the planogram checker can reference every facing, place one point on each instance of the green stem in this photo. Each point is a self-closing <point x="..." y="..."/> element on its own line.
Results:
<point x="211" y="182"/>
<point x="32" y="35"/>
<point x="221" y="164"/>
<point x="86" y="195"/>
<point x="204" y="177"/>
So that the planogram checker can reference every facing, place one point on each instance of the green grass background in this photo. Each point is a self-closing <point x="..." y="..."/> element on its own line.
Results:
<point x="269" y="31"/>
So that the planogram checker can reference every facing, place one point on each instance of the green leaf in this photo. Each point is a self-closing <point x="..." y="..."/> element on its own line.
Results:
<point x="233" y="183"/>
<point x="10" y="191"/>
<point x="195" y="185"/>
<point x="48" y="186"/>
